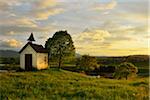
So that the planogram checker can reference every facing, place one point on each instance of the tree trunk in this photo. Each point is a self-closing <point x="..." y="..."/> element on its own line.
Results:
<point x="60" y="57"/>
<point x="59" y="66"/>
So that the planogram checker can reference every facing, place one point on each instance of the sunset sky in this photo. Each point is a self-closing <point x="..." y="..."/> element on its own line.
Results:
<point x="98" y="27"/>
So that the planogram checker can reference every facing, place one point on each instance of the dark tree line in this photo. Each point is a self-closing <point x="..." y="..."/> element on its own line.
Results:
<point x="89" y="65"/>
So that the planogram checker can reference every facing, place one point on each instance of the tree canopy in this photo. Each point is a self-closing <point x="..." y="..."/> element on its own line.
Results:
<point x="124" y="70"/>
<point x="61" y="44"/>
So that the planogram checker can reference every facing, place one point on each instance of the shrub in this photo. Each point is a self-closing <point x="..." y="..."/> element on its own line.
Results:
<point x="86" y="63"/>
<point x="125" y="70"/>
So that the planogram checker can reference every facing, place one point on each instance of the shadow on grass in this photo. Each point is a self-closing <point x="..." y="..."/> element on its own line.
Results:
<point x="140" y="84"/>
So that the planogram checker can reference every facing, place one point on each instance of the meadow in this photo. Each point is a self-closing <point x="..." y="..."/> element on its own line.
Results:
<point x="54" y="84"/>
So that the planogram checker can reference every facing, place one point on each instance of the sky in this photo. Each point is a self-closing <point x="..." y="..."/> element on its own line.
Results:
<point x="97" y="27"/>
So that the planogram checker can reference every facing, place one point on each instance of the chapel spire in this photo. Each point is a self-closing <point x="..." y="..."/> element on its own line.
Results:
<point x="31" y="38"/>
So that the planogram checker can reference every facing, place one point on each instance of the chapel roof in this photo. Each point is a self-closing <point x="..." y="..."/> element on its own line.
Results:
<point x="38" y="48"/>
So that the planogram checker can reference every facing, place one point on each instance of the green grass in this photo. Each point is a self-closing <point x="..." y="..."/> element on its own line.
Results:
<point x="55" y="84"/>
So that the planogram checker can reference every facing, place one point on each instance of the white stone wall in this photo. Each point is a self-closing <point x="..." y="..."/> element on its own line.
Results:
<point x="42" y="60"/>
<point x="28" y="50"/>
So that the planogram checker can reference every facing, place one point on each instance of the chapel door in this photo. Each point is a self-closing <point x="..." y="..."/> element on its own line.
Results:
<point x="28" y="61"/>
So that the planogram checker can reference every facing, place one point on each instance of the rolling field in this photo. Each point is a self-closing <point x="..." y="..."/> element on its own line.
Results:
<point x="55" y="84"/>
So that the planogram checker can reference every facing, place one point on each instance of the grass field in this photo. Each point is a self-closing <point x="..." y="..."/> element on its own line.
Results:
<point x="55" y="84"/>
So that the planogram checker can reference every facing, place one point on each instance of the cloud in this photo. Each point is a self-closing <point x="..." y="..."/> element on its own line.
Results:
<point x="126" y="36"/>
<point x="43" y="36"/>
<point x="11" y="33"/>
<point x="6" y="5"/>
<point x="124" y="32"/>
<point x="130" y="33"/>
<point x="28" y="12"/>
<point x="26" y="22"/>
<point x="42" y="4"/>
<point x="3" y="6"/>
<point x="112" y="39"/>
<point x="130" y="16"/>
<point x="115" y="26"/>
<point x="133" y="12"/>
<point x="26" y="29"/>
<point x="93" y="35"/>
<point x="44" y="14"/>
<point x="106" y="6"/>
<point x="147" y="36"/>
<point x="42" y="9"/>
<point x="21" y="22"/>
<point x="12" y="43"/>
<point x="110" y="34"/>
<point x="91" y="39"/>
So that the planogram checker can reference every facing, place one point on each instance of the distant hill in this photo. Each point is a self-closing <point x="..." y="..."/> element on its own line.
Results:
<point x="9" y="53"/>
<point x="138" y="60"/>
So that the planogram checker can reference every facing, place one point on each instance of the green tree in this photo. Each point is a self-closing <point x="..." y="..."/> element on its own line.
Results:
<point x="60" y="47"/>
<point x="86" y="63"/>
<point x="124" y="70"/>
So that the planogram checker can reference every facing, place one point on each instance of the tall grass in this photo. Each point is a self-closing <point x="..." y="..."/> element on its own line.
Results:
<point x="55" y="84"/>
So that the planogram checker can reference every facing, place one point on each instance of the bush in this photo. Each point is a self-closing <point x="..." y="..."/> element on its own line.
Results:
<point x="125" y="70"/>
<point x="86" y="63"/>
